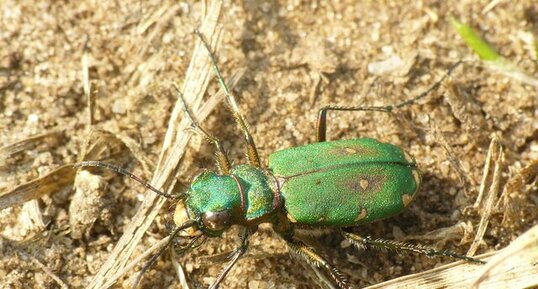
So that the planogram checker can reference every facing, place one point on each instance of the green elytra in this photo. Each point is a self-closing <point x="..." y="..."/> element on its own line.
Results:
<point x="344" y="182"/>
<point x="338" y="184"/>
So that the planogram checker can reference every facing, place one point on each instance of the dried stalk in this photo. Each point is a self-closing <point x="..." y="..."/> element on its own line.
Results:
<point x="198" y="75"/>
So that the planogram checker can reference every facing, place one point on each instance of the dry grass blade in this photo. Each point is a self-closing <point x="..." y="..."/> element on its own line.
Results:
<point x="63" y="176"/>
<point x="182" y="279"/>
<point x="197" y="79"/>
<point x="324" y="282"/>
<point x="486" y="207"/>
<point x="486" y="171"/>
<point x="513" y="199"/>
<point x="133" y="263"/>
<point x="456" y="275"/>
<point x="516" y="266"/>
<point x="86" y="85"/>
<point x="47" y="184"/>
<point x="10" y="150"/>
<point x="31" y="218"/>
<point x="446" y="234"/>
<point x="45" y="269"/>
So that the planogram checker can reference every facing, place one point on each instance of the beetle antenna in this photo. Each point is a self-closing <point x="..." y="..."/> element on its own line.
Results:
<point x="154" y="258"/>
<point x="126" y="173"/>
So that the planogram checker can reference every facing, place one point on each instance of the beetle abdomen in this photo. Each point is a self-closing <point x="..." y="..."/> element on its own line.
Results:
<point x="345" y="182"/>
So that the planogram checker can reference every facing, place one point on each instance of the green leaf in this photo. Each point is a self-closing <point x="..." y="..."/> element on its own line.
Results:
<point x="489" y="55"/>
<point x="473" y="40"/>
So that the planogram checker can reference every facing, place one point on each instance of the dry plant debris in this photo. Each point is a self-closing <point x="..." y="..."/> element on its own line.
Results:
<point x="59" y="60"/>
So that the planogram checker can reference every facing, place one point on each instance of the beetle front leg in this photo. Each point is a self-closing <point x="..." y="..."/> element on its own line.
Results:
<point x="313" y="258"/>
<point x="362" y="242"/>
<point x="223" y="163"/>
<point x="252" y="152"/>
<point x="236" y="254"/>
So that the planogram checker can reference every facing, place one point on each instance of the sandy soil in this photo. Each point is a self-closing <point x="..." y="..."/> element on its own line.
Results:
<point x="297" y="56"/>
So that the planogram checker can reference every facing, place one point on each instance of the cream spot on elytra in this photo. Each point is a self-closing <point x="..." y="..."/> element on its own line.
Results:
<point x="363" y="183"/>
<point x="363" y="213"/>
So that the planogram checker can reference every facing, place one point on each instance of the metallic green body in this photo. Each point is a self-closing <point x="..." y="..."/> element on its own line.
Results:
<point x="248" y="192"/>
<point x="336" y="183"/>
<point x="344" y="182"/>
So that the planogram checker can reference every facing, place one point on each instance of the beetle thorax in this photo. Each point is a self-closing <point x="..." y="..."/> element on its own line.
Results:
<point x="248" y="196"/>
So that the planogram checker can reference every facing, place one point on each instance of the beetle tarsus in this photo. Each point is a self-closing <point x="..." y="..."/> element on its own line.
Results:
<point x="252" y="152"/>
<point x="223" y="163"/>
<point x="322" y="115"/>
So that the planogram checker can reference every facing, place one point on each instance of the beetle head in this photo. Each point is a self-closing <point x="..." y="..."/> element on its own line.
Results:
<point x="213" y="201"/>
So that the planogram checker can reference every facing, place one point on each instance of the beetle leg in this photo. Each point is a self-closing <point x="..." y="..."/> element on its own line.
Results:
<point x="154" y="258"/>
<point x="236" y="254"/>
<point x="313" y="258"/>
<point x="252" y="152"/>
<point x="223" y="163"/>
<point x="322" y="115"/>
<point x="367" y="241"/>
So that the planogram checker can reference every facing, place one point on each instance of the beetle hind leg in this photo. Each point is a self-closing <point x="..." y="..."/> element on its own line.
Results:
<point x="367" y="241"/>
<point x="322" y="115"/>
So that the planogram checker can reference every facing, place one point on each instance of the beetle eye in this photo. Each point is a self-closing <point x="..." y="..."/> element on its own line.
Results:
<point x="216" y="221"/>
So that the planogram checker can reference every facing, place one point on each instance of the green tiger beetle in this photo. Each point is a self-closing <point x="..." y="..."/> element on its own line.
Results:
<point x="338" y="184"/>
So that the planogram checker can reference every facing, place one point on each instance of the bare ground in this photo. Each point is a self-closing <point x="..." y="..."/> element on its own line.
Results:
<point x="297" y="58"/>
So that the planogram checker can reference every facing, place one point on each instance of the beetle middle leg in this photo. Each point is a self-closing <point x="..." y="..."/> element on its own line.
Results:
<point x="252" y="152"/>
<point x="322" y="115"/>
<point x="367" y="241"/>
